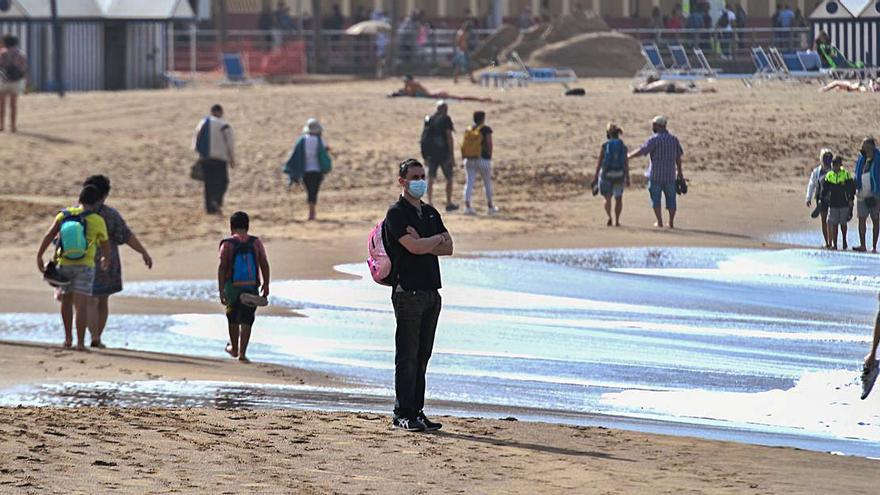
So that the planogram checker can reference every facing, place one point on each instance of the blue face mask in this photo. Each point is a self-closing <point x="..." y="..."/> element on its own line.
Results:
<point x="417" y="188"/>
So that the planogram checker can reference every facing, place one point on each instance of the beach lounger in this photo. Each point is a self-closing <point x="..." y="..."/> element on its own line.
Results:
<point x="544" y="75"/>
<point x="839" y="66"/>
<point x="235" y="69"/>
<point x="175" y="82"/>
<point x="764" y="68"/>
<point x="654" y="64"/>
<point x="680" y="60"/>
<point x="791" y="66"/>
<point x="705" y="67"/>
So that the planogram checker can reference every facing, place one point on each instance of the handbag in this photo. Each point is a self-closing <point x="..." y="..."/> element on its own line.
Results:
<point x="197" y="171"/>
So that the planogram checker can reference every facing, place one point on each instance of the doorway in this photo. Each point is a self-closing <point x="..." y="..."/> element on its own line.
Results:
<point x="114" y="56"/>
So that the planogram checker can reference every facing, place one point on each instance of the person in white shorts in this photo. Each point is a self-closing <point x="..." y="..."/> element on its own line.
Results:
<point x="476" y="153"/>
<point x="13" y="80"/>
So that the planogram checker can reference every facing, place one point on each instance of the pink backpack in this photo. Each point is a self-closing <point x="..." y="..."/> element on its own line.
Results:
<point x="378" y="260"/>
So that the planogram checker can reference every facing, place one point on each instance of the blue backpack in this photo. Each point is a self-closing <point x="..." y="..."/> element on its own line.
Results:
<point x="614" y="162"/>
<point x="203" y="139"/>
<point x="244" y="262"/>
<point x="72" y="240"/>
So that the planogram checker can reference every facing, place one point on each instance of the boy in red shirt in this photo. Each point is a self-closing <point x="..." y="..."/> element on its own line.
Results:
<point x="244" y="267"/>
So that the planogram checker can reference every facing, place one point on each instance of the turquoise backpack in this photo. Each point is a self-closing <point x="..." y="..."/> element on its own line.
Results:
<point x="72" y="240"/>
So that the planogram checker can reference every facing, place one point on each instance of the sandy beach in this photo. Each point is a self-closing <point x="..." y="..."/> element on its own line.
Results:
<point x="747" y="155"/>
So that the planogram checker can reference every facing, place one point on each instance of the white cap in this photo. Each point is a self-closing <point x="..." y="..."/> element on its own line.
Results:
<point x="660" y="120"/>
<point x="441" y="103"/>
<point x="313" y="126"/>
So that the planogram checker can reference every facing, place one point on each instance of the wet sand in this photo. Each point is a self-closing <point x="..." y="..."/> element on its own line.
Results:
<point x="747" y="155"/>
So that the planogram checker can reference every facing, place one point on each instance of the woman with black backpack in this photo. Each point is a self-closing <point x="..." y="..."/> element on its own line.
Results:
<point x="612" y="172"/>
<point x="13" y="71"/>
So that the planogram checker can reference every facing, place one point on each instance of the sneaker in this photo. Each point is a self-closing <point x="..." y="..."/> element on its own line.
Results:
<point x="253" y="300"/>
<point x="407" y="424"/>
<point x="469" y="211"/>
<point x="451" y="207"/>
<point x="869" y="376"/>
<point x="493" y="211"/>
<point x="429" y="425"/>
<point x="53" y="278"/>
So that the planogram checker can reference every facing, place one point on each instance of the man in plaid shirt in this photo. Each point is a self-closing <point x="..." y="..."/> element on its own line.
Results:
<point x="664" y="167"/>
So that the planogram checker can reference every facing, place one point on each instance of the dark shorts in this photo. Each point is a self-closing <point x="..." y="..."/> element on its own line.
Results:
<point x="313" y="180"/>
<point x="667" y="189"/>
<point x="236" y="312"/>
<point x="435" y="163"/>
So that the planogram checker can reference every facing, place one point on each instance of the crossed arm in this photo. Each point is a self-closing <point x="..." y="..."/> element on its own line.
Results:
<point x="438" y="245"/>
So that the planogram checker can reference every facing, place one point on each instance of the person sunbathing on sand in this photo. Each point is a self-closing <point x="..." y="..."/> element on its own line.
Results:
<point x="415" y="89"/>
<point x="656" y="85"/>
<point x="871" y="85"/>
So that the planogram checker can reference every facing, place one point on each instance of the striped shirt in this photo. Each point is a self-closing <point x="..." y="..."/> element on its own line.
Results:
<point x="664" y="150"/>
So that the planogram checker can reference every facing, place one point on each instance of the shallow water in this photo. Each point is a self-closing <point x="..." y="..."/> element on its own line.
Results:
<point x="765" y="342"/>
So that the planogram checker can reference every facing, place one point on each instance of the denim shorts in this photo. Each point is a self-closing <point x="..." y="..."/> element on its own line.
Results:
<point x="81" y="279"/>
<point x="655" y="189"/>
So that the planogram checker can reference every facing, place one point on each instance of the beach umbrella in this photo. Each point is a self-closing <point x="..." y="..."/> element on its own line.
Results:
<point x="368" y="27"/>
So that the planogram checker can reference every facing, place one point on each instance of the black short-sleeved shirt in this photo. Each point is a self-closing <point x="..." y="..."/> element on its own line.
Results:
<point x="486" y="131"/>
<point x="414" y="272"/>
<point x="439" y="125"/>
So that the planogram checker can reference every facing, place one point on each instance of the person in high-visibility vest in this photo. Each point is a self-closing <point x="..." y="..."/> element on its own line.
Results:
<point x="838" y="190"/>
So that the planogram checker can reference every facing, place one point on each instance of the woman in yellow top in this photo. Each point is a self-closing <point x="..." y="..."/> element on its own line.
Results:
<point x="79" y="231"/>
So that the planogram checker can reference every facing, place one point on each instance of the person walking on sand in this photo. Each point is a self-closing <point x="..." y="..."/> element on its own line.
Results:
<point x="612" y="172"/>
<point x="438" y="150"/>
<point x="215" y="144"/>
<point x="309" y="161"/>
<point x="244" y="268"/>
<point x="821" y="210"/>
<point x="416" y="237"/>
<point x="476" y="154"/>
<point x="838" y="189"/>
<point x="79" y="230"/>
<point x="108" y="282"/>
<point x="461" y="60"/>
<point x="664" y="168"/>
<point x="13" y="80"/>
<point x="867" y="179"/>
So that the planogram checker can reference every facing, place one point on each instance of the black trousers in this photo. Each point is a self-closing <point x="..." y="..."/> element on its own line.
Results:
<point x="216" y="176"/>
<point x="312" y="180"/>
<point x="417" y="313"/>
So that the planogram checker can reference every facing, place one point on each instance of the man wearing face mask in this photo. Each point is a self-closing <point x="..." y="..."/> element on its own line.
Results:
<point x="415" y="237"/>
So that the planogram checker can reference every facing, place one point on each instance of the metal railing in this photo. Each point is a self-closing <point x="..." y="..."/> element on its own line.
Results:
<point x="199" y="50"/>
<point x="733" y="44"/>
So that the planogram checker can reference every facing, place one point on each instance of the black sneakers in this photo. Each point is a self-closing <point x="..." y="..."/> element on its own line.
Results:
<point x="451" y="207"/>
<point x="429" y="425"/>
<point x="53" y="278"/>
<point x="408" y="424"/>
